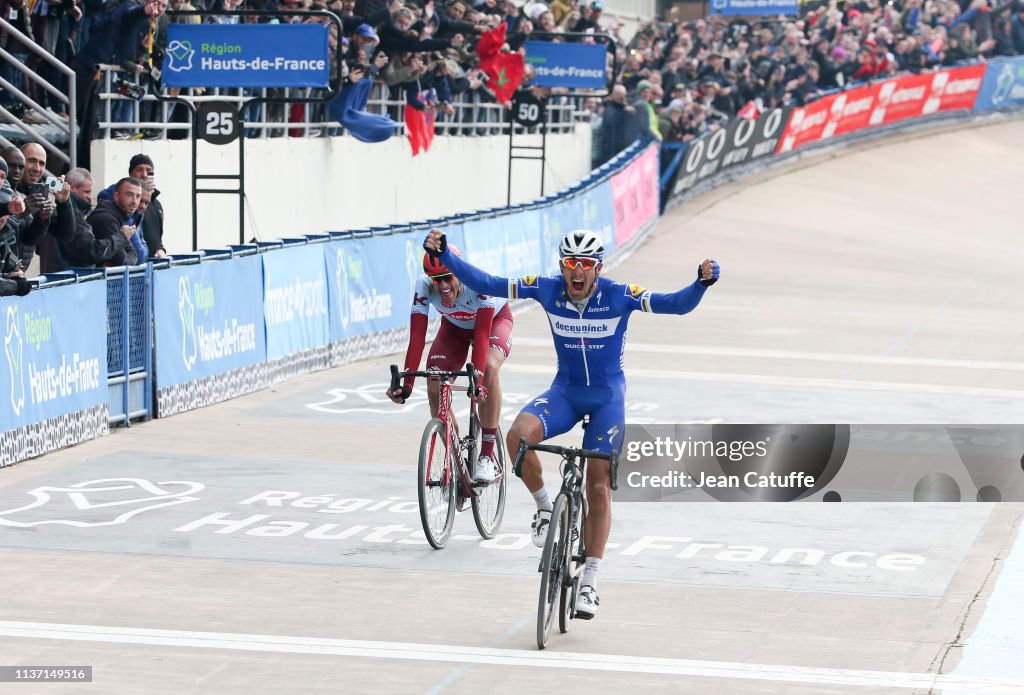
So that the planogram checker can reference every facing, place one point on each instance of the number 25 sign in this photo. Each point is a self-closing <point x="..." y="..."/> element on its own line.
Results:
<point x="219" y="122"/>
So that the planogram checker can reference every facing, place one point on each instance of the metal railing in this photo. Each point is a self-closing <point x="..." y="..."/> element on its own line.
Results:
<point x="67" y="127"/>
<point x="124" y="117"/>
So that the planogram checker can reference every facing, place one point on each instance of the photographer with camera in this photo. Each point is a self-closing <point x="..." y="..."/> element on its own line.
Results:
<point x="115" y="40"/>
<point x="48" y="201"/>
<point x="43" y="199"/>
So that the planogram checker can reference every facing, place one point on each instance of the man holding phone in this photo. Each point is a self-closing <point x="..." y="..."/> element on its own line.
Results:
<point x="27" y="168"/>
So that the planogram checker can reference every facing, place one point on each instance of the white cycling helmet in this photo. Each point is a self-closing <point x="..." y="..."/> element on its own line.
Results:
<point x="581" y="242"/>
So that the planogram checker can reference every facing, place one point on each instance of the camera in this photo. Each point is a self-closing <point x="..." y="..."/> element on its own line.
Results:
<point x="38" y="188"/>
<point x="128" y="89"/>
<point x="54" y="184"/>
<point x="11" y="262"/>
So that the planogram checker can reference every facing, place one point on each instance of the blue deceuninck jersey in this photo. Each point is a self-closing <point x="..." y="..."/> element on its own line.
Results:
<point x="589" y="343"/>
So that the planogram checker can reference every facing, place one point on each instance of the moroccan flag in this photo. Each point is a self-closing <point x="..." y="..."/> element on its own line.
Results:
<point x="504" y="70"/>
<point x="419" y="124"/>
<point x="749" y="112"/>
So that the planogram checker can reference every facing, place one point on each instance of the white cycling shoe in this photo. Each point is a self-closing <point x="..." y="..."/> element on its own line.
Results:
<point x="587" y="603"/>
<point x="485" y="471"/>
<point x="539" y="527"/>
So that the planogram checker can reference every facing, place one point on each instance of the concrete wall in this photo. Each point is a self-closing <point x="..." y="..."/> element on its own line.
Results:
<point x="307" y="185"/>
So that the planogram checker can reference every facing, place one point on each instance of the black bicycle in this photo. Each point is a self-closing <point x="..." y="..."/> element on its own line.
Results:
<point x="561" y="564"/>
<point x="447" y="463"/>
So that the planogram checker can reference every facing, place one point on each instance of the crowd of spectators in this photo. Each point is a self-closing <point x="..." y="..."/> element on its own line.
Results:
<point x="422" y="51"/>
<point x="58" y="219"/>
<point x="685" y="76"/>
<point x="680" y="79"/>
<point x="674" y="79"/>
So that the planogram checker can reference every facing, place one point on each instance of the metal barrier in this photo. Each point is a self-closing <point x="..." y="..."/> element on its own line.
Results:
<point x="126" y="117"/>
<point x="129" y="353"/>
<point x="66" y="126"/>
<point x="129" y="337"/>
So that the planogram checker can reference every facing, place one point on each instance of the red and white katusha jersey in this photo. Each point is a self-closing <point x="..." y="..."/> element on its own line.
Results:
<point x="462" y="312"/>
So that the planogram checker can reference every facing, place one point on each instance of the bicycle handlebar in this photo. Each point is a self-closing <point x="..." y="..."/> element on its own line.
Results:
<point x="469" y="371"/>
<point x="570" y="453"/>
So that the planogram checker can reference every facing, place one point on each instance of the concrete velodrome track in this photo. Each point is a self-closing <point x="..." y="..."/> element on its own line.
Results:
<point x="271" y="544"/>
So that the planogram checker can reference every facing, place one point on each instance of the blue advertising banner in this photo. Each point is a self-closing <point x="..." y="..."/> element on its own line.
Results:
<point x="507" y="246"/>
<point x="1003" y="85"/>
<point x="579" y="65"/>
<point x="210" y="319"/>
<point x="55" y="349"/>
<point x="246" y="55"/>
<point x="370" y="283"/>
<point x="295" y="300"/>
<point x="755" y="7"/>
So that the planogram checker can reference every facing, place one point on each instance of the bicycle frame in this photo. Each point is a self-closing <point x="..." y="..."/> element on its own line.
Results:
<point x="445" y="415"/>
<point x="451" y="435"/>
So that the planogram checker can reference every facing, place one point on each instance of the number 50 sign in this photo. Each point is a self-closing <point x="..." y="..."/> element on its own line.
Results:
<point x="219" y="122"/>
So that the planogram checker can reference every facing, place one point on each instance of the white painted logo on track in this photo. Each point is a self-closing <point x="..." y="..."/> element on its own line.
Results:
<point x="370" y="399"/>
<point x="122" y="497"/>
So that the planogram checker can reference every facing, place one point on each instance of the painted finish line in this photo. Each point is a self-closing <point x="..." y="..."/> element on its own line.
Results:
<point x="349" y="515"/>
<point x="506" y="657"/>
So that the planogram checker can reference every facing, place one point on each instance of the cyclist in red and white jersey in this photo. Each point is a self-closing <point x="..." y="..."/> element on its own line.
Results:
<point x="467" y="318"/>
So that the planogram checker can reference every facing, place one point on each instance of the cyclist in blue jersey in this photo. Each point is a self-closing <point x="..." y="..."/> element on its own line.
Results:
<point x="588" y="315"/>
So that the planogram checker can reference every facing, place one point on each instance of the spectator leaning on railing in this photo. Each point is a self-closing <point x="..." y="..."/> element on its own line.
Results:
<point x="141" y="167"/>
<point x="84" y="250"/>
<point x="114" y="216"/>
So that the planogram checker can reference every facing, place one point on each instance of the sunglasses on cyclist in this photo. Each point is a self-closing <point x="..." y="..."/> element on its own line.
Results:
<point x="438" y="279"/>
<point x="572" y="263"/>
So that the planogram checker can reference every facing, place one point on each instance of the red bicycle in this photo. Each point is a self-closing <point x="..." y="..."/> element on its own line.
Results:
<point x="447" y="462"/>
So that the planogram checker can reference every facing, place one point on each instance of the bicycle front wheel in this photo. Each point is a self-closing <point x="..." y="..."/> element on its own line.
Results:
<point x="489" y="503"/>
<point x="575" y="556"/>
<point x="552" y="567"/>
<point x="437" y="481"/>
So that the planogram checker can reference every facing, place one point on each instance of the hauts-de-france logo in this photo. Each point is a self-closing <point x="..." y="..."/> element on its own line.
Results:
<point x="187" y="313"/>
<point x="14" y="348"/>
<point x="413" y="264"/>
<point x="1004" y="84"/>
<point x="179" y="55"/>
<point x="103" y="502"/>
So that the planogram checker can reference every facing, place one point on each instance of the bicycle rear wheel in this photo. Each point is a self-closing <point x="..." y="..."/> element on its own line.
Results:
<point x="489" y="503"/>
<point x="574" y="560"/>
<point x="552" y="568"/>
<point x="437" y="485"/>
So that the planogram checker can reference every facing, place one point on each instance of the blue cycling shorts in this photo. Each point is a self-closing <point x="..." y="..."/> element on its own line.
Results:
<point x="562" y="406"/>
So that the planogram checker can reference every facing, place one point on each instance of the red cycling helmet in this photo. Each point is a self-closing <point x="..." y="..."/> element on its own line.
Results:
<point x="433" y="266"/>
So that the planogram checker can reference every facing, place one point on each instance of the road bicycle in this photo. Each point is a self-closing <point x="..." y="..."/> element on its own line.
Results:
<point x="561" y="564"/>
<point x="447" y="462"/>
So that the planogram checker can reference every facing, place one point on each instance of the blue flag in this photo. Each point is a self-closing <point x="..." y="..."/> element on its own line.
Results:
<point x="347" y="109"/>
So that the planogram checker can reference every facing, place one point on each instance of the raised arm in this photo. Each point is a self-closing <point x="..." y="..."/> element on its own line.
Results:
<point x="685" y="300"/>
<point x="474" y="278"/>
